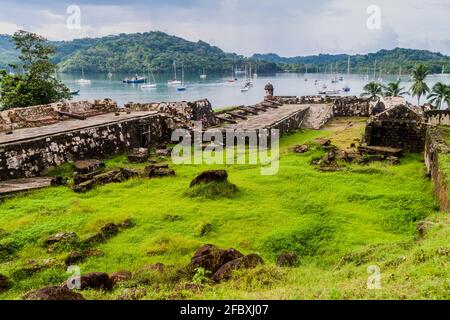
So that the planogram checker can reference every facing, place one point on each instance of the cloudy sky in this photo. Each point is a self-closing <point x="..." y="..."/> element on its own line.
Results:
<point x="286" y="27"/>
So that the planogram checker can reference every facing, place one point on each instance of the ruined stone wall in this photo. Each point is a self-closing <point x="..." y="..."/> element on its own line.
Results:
<point x="351" y="107"/>
<point x="291" y="123"/>
<point x="31" y="157"/>
<point x="42" y="115"/>
<point x="435" y="146"/>
<point x="179" y="113"/>
<point x="407" y="136"/>
<point x="438" y="117"/>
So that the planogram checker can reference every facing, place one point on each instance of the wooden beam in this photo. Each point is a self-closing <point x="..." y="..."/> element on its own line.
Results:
<point x="226" y="119"/>
<point x="248" y="110"/>
<point x="237" y="116"/>
<point x="269" y="105"/>
<point x="71" y="115"/>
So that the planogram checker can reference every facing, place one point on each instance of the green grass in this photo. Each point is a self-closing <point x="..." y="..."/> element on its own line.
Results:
<point x="339" y="223"/>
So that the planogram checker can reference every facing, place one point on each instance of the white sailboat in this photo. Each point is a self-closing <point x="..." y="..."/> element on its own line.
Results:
<point x="182" y="86"/>
<point x="346" y="87"/>
<point x="174" y="81"/>
<point x="83" y="81"/>
<point x="306" y="72"/>
<point x="149" y="85"/>
<point x="203" y="75"/>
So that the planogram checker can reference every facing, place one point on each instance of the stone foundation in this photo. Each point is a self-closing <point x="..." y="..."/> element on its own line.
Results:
<point x="31" y="157"/>
<point x="435" y="146"/>
<point x="438" y="117"/>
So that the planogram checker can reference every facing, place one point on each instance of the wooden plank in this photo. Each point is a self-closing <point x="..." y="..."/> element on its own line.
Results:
<point x="234" y="115"/>
<point x="71" y="115"/>
<point x="226" y="120"/>
<point x="248" y="110"/>
<point x="269" y="105"/>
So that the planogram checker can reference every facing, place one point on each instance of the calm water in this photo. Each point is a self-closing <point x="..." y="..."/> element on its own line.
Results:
<point x="218" y="90"/>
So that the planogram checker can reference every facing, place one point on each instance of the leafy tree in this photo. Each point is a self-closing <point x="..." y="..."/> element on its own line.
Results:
<point x="439" y="95"/>
<point x="393" y="89"/>
<point x="36" y="84"/>
<point x="419" y="87"/>
<point x="372" y="90"/>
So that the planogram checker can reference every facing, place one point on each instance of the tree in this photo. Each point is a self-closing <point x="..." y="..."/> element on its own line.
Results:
<point x="36" y="84"/>
<point x="372" y="90"/>
<point x="393" y="89"/>
<point x="419" y="87"/>
<point x="440" y="94"/>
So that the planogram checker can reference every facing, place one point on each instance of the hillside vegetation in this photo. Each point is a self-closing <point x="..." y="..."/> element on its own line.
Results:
<point x="339" y="223"/>
<point x="389" y="61"/>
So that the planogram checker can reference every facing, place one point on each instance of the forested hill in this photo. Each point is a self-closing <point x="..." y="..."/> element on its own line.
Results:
<point x="389" y="61"/>
<point x="157" y="50"/>
<point x="139" y="51"/>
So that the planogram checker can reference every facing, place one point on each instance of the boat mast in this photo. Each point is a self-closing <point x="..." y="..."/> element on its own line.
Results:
<point x="375" y="70"/>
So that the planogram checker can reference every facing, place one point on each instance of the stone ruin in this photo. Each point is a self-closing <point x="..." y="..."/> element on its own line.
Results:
<point x="42" y="115"/>
<point x="398" y="127"/>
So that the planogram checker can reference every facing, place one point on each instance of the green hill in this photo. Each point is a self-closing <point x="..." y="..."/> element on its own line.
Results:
<point x="389" y="61"/>
<point x="8" y="53"/>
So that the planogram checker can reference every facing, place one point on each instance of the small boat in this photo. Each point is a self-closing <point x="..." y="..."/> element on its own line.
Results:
<point x="83" y="81"/>
<point x="149" y="85"/>
<point x="74" y="93"/>
<point x="245" y="89"/>
<point x="346" y="89"/>
<point x="334" y="80"/>
<point x="330" y="92"/>
<point x="174" y="81"/>
<point x="341" y="78"/>
<point x="135" y="79"/>
<point x="203" y="75"/>
<point x="182" y="87"/>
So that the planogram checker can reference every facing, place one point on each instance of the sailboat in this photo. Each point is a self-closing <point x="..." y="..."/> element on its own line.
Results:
<point x="182" y="87"/>
<point x="174" y="81"/>
<point x="399" y="75"/>
<point x="346" y="88"/>
<point x="306" y="72"/>
<point x="203" y="75"/>
<point x="83" y="80"/>
<point x="149" y="85"/>
<point x="233" y="78"/>
<point x="256" y="71"/>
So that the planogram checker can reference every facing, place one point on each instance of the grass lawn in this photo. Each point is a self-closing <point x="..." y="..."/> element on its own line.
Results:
<point x="339" y="223"/>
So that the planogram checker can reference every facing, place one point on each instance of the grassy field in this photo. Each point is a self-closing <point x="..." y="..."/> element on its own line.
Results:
<point x="339" y="223"/>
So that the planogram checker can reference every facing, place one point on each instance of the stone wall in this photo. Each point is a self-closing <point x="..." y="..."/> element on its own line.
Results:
<point x="434" y="147"/>
<point x="179" y="113"/>
<point x="438" y="117"/>
<point x="351" y="107"/>
<point x="42" y="115"/>
<point x="31" y="157"/>
<point x="398" y="127"/>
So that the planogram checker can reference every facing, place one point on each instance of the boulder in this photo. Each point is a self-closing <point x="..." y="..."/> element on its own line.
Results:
<point x="138" y="155"/>
<point x="120" y="276"/>
<point x="95" y="280"/>
<point x="127" y="224"/>
<point x="61" y="237"/>
<point x="393" y="160"/>
<point x="79" y="178"/>
<point x="58" y="181"/>
<point x="133" y="294"/>
<point x="247" y="262"/>
<point x="301" y="148"/>
<point x="156" y="266"/>
<point x="210" y="176"/>
<point x="109" y="230"/>
<point x="287" y="260"/>
<point x="5" y="284"/>
<point x="74" y="258"/>
<point x="53" y="293"/>
<point x="323" y="142"/>
<point x="86" y="166"/>
<point x="156" y="171"/>
<point x="164" y="152"/>
<point x="212" y="258"/>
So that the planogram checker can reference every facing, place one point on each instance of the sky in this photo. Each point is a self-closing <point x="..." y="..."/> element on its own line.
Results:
<point x="285" y="27"/>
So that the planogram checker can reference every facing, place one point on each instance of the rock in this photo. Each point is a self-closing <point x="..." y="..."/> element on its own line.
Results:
<point x="287" y="260"/>
<point x="156" y="266"/>
<point x="95" y="280"/>
<point x="60" y="238"/>
<point x="74" y="258"/>
<point x="109" y="230"/>
<point x="210" y="176"/>
<point x="247" y="262"/>
<point x="5" y="284"/>
<point x="393" y="160"/>
<point x="120" y="276"/>
<point x="129" y="173"/>
<point x="422" y="228"/>
<point x="53" y="293"/>
<point x="79" y="178"/>
<point x="133" y="294"/>
<point x="84" y="186"/>
<point x="156" y="171"/>
<point x="164" y="152"/>
<point x="322" y="142"/>
<point x="138" y="155"/>
<point x="212" y="258"/>
<point x="301" y="148"/>
<point x="58" y="181"/>
<point x="87" y="166"/>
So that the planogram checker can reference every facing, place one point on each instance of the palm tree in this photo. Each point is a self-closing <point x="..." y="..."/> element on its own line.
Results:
<point x="372" y="90"/>
<point x="393" y="89"/>
<point x="439" y="95"/>
<point x="419" y="87"/>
